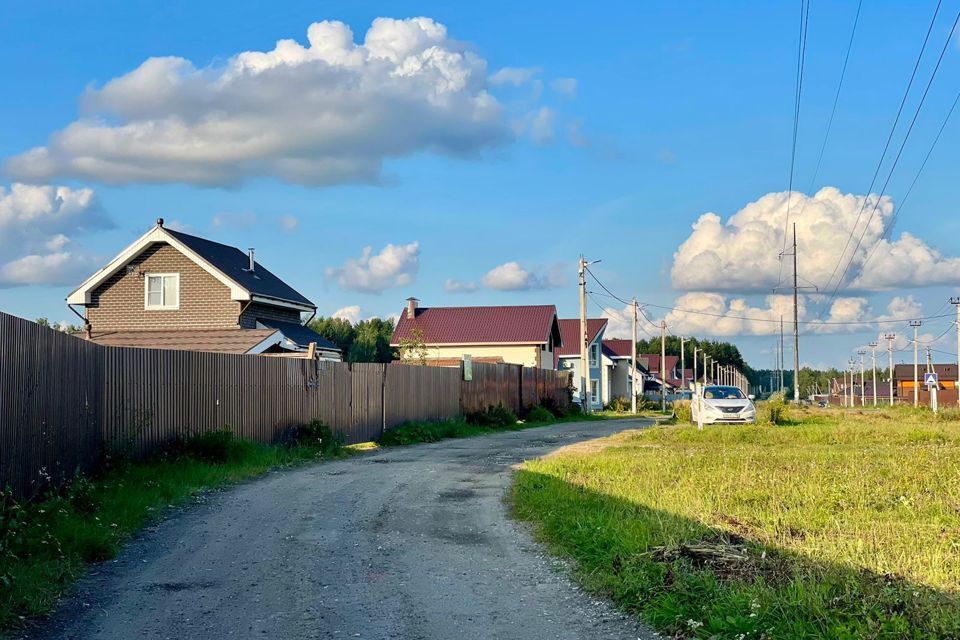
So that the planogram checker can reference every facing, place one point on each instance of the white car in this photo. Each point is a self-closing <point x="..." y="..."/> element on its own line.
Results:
<point x="723" y="404"/>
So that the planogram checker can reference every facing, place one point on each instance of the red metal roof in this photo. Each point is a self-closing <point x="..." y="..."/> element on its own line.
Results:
<point x="619" y="347"/>
<point x="570" y="330"/>
<point x="530" y="324"/>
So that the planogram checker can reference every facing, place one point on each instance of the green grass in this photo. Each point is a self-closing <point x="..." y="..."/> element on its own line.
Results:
<point x="45" y="546"/>
<point x="835" y="525"/>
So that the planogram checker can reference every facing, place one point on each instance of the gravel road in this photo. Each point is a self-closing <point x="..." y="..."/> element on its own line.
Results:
<point x="410" y="542"/>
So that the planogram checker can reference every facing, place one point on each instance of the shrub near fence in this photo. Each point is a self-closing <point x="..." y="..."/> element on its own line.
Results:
<point x="63" y="400"/>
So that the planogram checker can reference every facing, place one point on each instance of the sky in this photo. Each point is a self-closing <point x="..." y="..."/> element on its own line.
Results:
<point x="468" y="153"/>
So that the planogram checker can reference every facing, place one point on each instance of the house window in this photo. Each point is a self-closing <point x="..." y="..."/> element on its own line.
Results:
<point x="162" y="291"/>
<point x="594" y="354"/>
<point x="594" y="390"/>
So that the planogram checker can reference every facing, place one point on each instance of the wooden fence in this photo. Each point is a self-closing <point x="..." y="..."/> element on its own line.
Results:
<point x="63" y="401"/>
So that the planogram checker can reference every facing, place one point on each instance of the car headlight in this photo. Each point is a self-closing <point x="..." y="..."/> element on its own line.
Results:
<point x="750" y="410"/>
<point x="709" y="408"/>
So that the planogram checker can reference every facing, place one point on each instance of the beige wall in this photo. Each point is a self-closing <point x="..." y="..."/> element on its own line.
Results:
<point x="527" y="355"/>
<point x="118" y="304"/>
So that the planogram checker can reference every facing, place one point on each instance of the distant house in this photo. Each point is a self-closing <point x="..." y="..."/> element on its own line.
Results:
<point x="903" y="378"/>
<point x="618" y="365"/>
<point x="653" y="382"/>
<point x="524" y="335"/>
<point x="172" y="290"/>
<point x="568" y="358"/>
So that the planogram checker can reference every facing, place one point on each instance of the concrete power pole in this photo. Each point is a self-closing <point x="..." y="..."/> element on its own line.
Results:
<point x="663" y="366"/>
<point x="873" y="357"/>
<point x="956" y="302"/>
<point x="863" y="395"/>
<point x="890" y="337"/>
<point x="782" y="388"/>
<point x="683" y="364"/>
<point x="916" y="361"/>
<point x="796" y="325"/>
<point x="694" y="381"/>
<point x="633" y="376"/>
<point x="585" y="403"/>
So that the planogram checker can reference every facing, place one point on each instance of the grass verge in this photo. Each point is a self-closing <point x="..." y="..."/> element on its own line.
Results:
<point x="46" y="545"/>
<point x="837" y="525"/>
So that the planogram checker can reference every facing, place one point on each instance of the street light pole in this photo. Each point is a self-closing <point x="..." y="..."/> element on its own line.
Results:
<point x="916" y="361"/>
<point x="863" y="397"/>
<point x="873" y="356"/>
<point x="890" y="337"/>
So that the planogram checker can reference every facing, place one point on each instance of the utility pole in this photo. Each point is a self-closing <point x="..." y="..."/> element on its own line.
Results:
<point x="781" y="356"/>
<point x="633" y="373"/>
<point x="890" y="337"/>
<point x="929" y="361"/>
<point x="694" y="381"/>
<point x="705" y="358"/>
<point x="663" y="366"/>
<point x="585" y="400"/>
<point x="956" y="302"/>
<point x="863" y="395"/>
<point x="851" y="362"/>
<point x="796" y="325"/>
<point x="916" y="365"/>
<point x="683" y="365"/>
<point x="873" y="356"/>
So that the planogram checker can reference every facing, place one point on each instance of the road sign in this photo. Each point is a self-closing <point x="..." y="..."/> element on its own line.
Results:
<point x="931" y="379"/>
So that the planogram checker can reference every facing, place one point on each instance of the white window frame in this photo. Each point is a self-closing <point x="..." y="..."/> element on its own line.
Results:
<point x="594" y="391"/>
<point x="594" y="354"/>
<point x="146" y="292"/>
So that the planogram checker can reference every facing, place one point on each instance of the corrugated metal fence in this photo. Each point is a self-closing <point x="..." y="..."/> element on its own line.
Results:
<point x="63" y="401"/>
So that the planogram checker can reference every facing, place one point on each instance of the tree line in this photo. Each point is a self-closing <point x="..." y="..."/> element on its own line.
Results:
<point x="365" y="341"/>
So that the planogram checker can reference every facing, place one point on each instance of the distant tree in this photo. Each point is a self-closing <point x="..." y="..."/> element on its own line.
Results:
<point x="371" y="342"/>
<point x="60" y="326"/>
<point x="339" y="331"/>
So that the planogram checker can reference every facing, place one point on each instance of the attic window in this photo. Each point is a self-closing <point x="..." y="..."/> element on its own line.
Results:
<point x="162" y="291"/>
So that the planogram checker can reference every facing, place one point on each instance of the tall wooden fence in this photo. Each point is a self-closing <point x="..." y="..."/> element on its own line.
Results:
<point x="63" y="400"/>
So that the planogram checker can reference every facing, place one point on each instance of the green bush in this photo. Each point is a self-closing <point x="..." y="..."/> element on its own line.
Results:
<point x="498" y="416"/>
<point x="550" y="404"/>
<point x="773" y="411"/>
<point x="414" y="432"/>
<point x="539" y="414"/>
<point x="618" y="404"/>
<point x="318" y="434"/>
<point x="211" y="446"/>
<point x="681" y="409"/>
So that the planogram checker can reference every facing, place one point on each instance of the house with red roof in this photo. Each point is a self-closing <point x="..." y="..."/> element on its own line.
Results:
<point x="651" y="362"/>
<point x="527" y="335"/>
<point x="568" y="358"/>
<point x="618" y="365"/>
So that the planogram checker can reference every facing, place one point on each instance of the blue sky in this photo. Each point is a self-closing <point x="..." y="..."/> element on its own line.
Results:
<point x="677" y="111"/>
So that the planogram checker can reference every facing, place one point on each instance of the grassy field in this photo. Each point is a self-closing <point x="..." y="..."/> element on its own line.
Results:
<point x="833" y="525"/>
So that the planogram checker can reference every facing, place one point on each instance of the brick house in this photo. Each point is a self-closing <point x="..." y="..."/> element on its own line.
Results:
<point x="172" y="290"/>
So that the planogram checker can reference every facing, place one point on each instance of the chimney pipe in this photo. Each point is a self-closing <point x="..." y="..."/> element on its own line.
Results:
<point x="412" y="308"/>
<point x="250" y="253"/>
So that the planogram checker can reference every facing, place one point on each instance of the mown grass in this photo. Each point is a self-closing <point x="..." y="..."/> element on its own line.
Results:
<point x="46" y="545"/>
<point x="836" y="525"/>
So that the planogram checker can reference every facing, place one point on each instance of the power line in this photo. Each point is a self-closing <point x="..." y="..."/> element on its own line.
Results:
<point x="899" y="153"/>
<point x="886" y="148"/>
<point x="896" y="213"/>
<point x="801" y="60"/>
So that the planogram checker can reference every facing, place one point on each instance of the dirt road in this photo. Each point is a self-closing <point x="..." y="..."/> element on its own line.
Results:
<point x="410" y="542"/>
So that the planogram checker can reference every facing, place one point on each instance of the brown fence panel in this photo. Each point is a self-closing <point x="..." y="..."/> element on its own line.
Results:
<point x="49" y="399"/>
<point x="368" y="382"/>
<point x="420" y="393"/>
<point x="492" y="384"/>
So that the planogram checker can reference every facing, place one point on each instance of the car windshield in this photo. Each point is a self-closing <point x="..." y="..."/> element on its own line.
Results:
<point x="723" y="393"/>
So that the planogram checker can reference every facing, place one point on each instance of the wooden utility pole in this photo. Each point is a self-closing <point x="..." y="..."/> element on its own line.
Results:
<point x="585" y="400"/>
<point x="873" y="366"/>
<point x="890" y="337"/>
<point x="633" y="376"/>
<point x="683" y="365"/>
<point x="663" y="366"/>
<point x="916" y="361"/>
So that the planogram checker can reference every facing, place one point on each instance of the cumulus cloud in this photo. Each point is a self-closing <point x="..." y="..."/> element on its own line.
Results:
<point x="327" y="112"/>
<point x="350" y="313"/>
<point x="542" y="125"/>
<point x="37" y="224"/>
<point x="395" y="266"/>
<point x="238" y="221"/>
<point x="565" y="87"/>
<point x="511" y="276"/>
<point x="741" y="254"/>
<point x="514" y="76"/>
<point x="457" y="286"/>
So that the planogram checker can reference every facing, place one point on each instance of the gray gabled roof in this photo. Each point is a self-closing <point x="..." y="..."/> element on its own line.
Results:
<point x="300" y="334"/>
<point x="234" y="264"/>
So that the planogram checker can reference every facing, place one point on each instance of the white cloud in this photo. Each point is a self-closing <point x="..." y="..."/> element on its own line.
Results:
<point x="37" y="224"/>
<point x="288" y="224"/>
<point x="511" y="276"/>
<point x="326" y="113"/>
<point x="565" y="87"/>
<point x="542" y="125"/>
<point x="237" y="221"/>
<point x="514" y="76"/>
<point x="456" y="286"/>
<point x="741" y="254"/>
<point x="351" y="313"/>
<point x="394" y="266"/>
